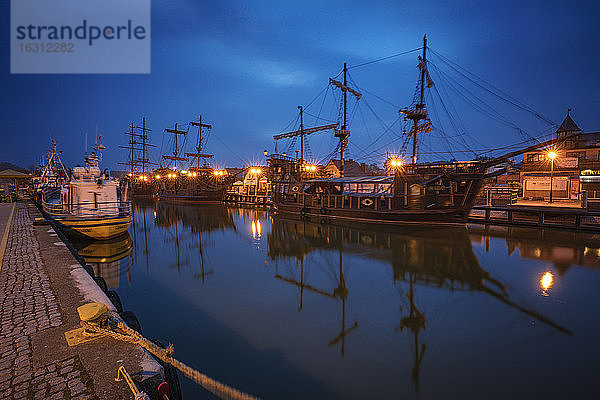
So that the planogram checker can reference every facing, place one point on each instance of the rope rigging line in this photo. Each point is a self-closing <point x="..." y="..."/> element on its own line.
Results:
<point x="318" y="118"/>
<point x="352" y="113"/>
<point x="441" y="126"/>
<point x="330" y="155"/>
<point x="363" y="90"/>
<point x="365" y="124"/>
<point x="451" y="119"/>
<point x="381" y="135"/>
<point x="491" y="112"/>
<point x="317" y="96"/>
<point x="384" y="126"/>
<point x="448" y="81"/>
<point x="292" y="122"/>
<point x="454" y="119"/>
<point x="229" y="148"/>
<point x="385" y="58"/>
<point x="322" y="103"/>
<point x="508" y="99"/>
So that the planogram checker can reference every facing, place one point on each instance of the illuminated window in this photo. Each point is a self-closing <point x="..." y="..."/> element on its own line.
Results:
<point x="534" y="157"/>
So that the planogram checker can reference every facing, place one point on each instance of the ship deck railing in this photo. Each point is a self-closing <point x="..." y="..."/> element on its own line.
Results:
<point x="88" y="209"/>
<point x="374" y="201"/>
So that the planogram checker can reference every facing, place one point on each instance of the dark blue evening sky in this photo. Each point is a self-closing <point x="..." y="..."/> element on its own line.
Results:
<point x="246" y="66"/>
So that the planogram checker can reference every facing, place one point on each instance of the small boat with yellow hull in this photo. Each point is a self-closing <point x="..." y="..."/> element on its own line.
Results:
<point x="96" y="228"/>
<point x="90" y="205"/>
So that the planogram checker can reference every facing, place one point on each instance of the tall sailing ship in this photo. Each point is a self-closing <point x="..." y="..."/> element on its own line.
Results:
<point x="199" y="183"/>
<point x="441" y="193"/>
<point x="138" y="183"/>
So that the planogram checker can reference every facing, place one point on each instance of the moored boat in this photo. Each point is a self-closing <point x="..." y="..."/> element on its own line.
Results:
<point x="51" y="174"/>
<point x="199" y="183"/>
<point x="410" y="193"/>
<point x="90" y="204"/>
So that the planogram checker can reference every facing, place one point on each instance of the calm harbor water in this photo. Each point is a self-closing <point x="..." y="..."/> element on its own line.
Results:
<point x="290" y="309"/>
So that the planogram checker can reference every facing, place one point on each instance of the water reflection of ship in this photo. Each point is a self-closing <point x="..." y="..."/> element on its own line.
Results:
<point x="562" y="248"/>
<point x="443" y="260"/>
<point x="105" y="256"/>
<point x="199" y="220"/>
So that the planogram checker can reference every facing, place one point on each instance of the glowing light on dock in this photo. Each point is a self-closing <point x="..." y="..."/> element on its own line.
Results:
<point x="255" y="171"/>
<point x="395" y="163"/>
<point x="546" y="282"/>
<point x="157" y="176"/>
<point x="552" y="155"/>
<point x="310" y="168"/>
<point x="218" y="173"/>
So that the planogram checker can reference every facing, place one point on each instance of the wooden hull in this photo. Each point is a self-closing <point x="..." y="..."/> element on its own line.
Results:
<point x="444" y="217"/>
<point x="203" y="189"/>
<point x="181" y="199"/>
<point x="95" y="228"/>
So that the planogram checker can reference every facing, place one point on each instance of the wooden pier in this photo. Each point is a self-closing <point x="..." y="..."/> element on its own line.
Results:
<point x="537" y="216"/>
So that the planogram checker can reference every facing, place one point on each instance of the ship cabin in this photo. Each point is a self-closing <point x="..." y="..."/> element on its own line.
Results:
<point x="420" y="186"/>
<point x="253" y="189"/>
<point x="91" y="193"/>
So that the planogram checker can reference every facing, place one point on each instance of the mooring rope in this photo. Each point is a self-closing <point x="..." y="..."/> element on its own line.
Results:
<point x="166" y="355"/>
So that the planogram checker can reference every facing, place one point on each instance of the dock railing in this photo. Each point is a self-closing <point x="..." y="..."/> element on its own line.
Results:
<point x="540" y="217"/>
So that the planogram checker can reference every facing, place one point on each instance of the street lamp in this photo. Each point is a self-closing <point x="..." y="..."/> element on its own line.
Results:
<point x="394" y="164"/>
<point x="551" y="155"/>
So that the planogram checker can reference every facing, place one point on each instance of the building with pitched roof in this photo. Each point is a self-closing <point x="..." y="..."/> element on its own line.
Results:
<point x="12" y="182"/>
<point x="577" y="159"/>
<point x="351" y="168"/>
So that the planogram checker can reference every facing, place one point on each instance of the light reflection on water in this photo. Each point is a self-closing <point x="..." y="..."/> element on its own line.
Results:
<point x="290" y="309"/>
<point x="546" y="282"/>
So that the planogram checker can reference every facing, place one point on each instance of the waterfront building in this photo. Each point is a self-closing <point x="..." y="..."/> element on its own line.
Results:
<point x="351" y="168"/>
<point x="574" y="171"/>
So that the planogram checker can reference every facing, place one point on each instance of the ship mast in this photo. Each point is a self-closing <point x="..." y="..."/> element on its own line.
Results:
<point x="131" y="142"/>
<point x="175" y="157"/>
<point x="302" y="132"/>
<point x="344" y="133"/>
<point x="144" y="159"/>
<point x="133" y="147"/>
<point x="419" y="112"/>
<point x="197" y="154"/>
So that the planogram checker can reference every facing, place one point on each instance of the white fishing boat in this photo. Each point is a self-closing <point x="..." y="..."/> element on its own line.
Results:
<point x="90" y="204"/>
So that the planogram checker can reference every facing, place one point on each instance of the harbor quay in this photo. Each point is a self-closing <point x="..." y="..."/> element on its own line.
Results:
<point x="41" y="287"/>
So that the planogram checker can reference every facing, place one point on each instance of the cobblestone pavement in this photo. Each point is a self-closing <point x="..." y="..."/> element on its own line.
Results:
<point x="27" y="306"/>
